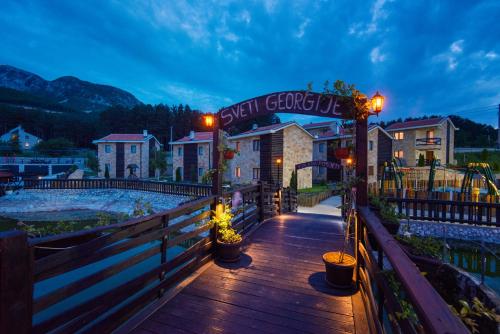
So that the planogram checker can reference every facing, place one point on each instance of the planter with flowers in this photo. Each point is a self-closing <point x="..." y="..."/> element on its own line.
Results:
<point x="229" y="153"/>
<point x="228" y="240"/>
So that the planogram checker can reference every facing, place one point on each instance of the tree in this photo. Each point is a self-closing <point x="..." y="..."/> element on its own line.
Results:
<point x="293" y="181"/>
<point x="484" y="155"/>
<point x="92" y="162"/>
<point x="158" y="162"/>
<point x="421" y="160"/>
<point x="55" y="147"/>
<point x="106" y="172"/>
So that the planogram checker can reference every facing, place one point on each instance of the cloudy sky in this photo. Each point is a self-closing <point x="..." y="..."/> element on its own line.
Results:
<point x="427" y="57"/>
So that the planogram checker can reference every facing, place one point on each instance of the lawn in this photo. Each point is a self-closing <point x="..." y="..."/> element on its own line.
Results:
<point x="314" y="189"/>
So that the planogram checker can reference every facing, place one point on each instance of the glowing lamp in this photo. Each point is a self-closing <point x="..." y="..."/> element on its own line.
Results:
<point x="377" y="103"/>
<point x="208" y="119"/>
<point x="278" y="161"/>
<point x="348" y="161"/>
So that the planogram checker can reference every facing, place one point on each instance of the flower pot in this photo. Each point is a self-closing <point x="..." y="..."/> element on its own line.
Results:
<point x="391" y="228"/>
<point x="339" y="275"/>
<point x="342" y="153"/>
<point x="228" y="155"/>
<point x="228" y="252"/>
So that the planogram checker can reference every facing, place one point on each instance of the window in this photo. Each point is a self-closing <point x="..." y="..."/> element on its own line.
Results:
<point x="256" y="173"/>
<point x="370" y="145"/>
<point x="200" y="150"/>
<point x="179" y="151"/>
<point x="133" y="149"/>
<point x="321" y="147"/>
<point x="107" y="148"/>
<point x="399" y="135"/>
<point x="370" y="170"/>
<point x="256" y="145"/>
<point x="237" y="146"/>
<point x="201" y="171"/>
<point x="237" y="172"/>
<point x="430" y="134"/>
<point x="399" y="154"/>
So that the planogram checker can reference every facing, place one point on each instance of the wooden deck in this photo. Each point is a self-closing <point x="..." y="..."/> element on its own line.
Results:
<point x="278" y="287"/>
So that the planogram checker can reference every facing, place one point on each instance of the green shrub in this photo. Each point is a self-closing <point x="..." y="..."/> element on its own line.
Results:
<point x="293" y="181"/>
<point x="421" y="160"/>
<point x="106" y="172"/>
<point x="178" y="176"/>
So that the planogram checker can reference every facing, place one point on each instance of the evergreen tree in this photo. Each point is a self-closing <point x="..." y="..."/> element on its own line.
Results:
<point x="106" y="172"/>
<point x="421" y="160"/>
<point x="293" y="181"/>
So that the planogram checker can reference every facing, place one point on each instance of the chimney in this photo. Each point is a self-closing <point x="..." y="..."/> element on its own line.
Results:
<point x="254" y="126"/>
<point x="145" y="133"/>
<point x="191" y="134"/>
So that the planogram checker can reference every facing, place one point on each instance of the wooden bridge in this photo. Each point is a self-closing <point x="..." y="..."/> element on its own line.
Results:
<point x="156" y="274"/>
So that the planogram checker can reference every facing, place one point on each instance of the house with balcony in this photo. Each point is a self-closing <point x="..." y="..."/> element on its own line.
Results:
<point x="331" y="137"/>
<point x="256" y="157"/>
<point x="433" y="138"/>
<point x="27" y="141"/>
<point x="126" y="155"/>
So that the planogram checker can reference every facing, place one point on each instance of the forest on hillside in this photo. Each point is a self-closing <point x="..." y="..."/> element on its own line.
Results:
<point x="41" y="119"/>
<point x="469" y="133"/>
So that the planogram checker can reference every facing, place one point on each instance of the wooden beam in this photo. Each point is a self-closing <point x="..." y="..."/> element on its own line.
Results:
<point x="16" y="283"/>
<point x="362" y="162"/>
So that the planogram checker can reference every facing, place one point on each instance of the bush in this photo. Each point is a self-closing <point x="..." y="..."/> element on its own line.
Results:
<point x="293" y="181"/>
<point x="55" y="147"/>
<point x="421" y="160"/>
<point x="178" y="176"/>
<point x="106" y="172"/>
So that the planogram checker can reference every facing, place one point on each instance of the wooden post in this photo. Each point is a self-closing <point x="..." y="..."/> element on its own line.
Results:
<point x="362" y="162"/>
<point x="16" y="283"/>
<point x="217" y="158"/>
<point x="261" y="201"/>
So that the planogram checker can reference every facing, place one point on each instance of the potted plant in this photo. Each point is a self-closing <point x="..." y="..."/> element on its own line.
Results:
<point x="229" y="153"/>
<point x="339" y="266"/>
<point x="228" y="241"/>
<point x="389" y="217"/>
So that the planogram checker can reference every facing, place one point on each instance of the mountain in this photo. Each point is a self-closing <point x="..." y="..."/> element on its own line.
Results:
<point x="68" y="92"/>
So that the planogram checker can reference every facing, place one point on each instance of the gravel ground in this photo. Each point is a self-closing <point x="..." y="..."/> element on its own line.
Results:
<point x="109" y="200"/>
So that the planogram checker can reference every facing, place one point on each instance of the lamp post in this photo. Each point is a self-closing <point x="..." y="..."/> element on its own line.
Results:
<point x="278" y="162"/>
<point x="377" y="103"/>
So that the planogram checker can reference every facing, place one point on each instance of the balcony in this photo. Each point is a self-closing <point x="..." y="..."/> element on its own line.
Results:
<point x="428" y="141"/>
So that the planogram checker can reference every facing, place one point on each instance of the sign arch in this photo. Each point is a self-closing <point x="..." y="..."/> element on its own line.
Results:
<point x="319" y="163"/>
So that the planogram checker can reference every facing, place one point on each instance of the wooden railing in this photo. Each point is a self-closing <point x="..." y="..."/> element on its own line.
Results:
<point x="466" y="212"/>
<point x="417" y="308"/>
<point x="113" y="272"/>
<point x="187" y="189"/>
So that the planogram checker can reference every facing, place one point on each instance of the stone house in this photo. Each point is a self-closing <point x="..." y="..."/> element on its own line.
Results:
<point x="191" y="156"/>
<point x="26" y="140"/>
<point x="433" y="138"/>
<point x="257" y="152"/>
<point x="126" y="155"/>
<point x="333" y="137"/>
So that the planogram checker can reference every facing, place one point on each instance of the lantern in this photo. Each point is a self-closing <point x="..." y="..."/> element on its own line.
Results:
<point x="377" y="103"/>
<point x="208" y="119"/>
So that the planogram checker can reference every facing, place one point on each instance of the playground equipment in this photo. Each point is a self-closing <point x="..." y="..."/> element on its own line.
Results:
<point x="483" y="170"/>
<point x="392" y="172"/>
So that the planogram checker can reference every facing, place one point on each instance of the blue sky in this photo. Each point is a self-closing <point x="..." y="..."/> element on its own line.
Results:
<point x="426" y="57"/>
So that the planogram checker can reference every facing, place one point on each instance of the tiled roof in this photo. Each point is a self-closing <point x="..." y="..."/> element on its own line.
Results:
<point x="413" y="124"/>
<point x="123" y="137"/>
<point x="267" y="128"/>
<point x="317" y="125"/>
<point x="198" y="136"/>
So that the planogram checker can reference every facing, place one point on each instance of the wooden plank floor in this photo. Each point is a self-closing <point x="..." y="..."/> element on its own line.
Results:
<point x="278" y="286"/>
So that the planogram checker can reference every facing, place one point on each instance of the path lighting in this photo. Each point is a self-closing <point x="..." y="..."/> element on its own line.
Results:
<point x="278" y="162"/>
<point x="208" y="119"/>
<point x="377" y="103"/>
<point x="348" y="161"/>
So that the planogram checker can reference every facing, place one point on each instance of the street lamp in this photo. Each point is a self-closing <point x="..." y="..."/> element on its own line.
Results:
<point x="208" y="120"/>
<point x="278" y="162"/>
<point x="377" y="103"/>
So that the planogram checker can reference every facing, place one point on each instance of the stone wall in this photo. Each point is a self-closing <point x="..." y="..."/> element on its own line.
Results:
<point x="407" y="145"/>
<point x="177" y="160"/>
<point x="133" y="158"/>
<point x="107" y="158"/>
<point x="373" y="156"/>
<point x="246" y="159"/>
<point x="297" y="148"/>
<point x="453" y="231"/>
<point x="204" y="159"/>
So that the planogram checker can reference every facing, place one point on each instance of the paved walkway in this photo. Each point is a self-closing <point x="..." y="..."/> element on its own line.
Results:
<point x="278" y="287"/>
<point x="329" y="206"/>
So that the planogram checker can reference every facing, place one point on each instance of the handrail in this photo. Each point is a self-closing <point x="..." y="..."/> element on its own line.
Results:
<point x="431" y="309"/>
<point x="428" y="141"/>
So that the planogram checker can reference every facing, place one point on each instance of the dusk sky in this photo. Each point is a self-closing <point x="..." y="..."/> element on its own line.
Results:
<point x="426" y="57"/>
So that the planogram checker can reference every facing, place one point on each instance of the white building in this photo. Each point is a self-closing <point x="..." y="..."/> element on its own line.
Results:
<point x="26" y="140"/>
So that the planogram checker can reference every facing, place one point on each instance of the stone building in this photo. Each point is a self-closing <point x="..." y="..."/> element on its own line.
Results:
<point x="191" y="156"/>
<point x="433" y="138"/>
<point x="26" y="140"/>
<point x="126" y="155"/>
<point x="329" y="136"/>
<point x="257" y="153"/>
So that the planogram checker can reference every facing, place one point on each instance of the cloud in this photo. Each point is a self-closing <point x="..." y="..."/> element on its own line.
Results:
<point x="199" y="98"/>
<point x="376" y="55"/>
<point x="491" y="55"/>
<point x="302" y="28"/>
<point x="378" y="14"/>
<point x="457" y="46"/>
